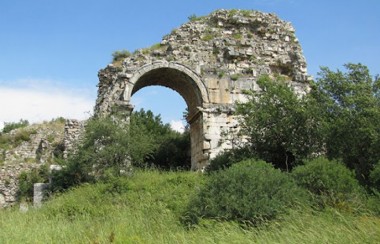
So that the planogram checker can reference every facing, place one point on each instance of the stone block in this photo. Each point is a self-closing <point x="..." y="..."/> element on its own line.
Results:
<point x="39" y="191"/>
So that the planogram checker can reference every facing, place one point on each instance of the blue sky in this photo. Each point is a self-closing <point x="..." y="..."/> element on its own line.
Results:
<point x="51" y="51"/>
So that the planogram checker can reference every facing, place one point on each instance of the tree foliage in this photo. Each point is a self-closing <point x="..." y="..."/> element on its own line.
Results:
<point x="174" y="152"/>
<point x="109" y="147"/>
<point x="350" y="103"/>
<point x="156" y="144"/>
<point x="105" y="146"/>
<point x="339" y="118"/>
<point x="283" y="128"/>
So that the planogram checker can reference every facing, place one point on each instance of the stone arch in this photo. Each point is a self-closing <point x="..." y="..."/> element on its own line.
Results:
<point x="188" y="85"/>
<point x="172" y="75"/>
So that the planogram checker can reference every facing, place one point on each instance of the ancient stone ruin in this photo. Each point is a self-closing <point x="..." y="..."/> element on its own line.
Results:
<point x="209" y="61"/>
<point x="40" y="145"/>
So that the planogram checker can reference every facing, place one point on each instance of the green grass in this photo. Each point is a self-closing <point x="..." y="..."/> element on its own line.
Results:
<point x="146" y="208"/>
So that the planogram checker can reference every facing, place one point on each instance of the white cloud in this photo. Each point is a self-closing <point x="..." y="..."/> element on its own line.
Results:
<point x="44" y="102"/>
<point x="177" y="125"/>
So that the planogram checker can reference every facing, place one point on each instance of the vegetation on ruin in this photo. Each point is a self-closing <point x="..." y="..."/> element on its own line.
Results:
<point x="119" y="55"/>
<point x="193" y="18"/>
<point x="9" y="126"/>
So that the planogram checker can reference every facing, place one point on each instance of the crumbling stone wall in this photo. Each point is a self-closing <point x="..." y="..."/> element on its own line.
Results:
<point x="209" y="61"/>
<point x="9" y="181"/>
<point x="74" y="129"/>
<point x="39" y="149"/>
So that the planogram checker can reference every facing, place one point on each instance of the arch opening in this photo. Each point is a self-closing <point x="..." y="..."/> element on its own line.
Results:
<point x="171" y="109"/>
<point x="174" y="79"/>
<point x="189" y="86"/>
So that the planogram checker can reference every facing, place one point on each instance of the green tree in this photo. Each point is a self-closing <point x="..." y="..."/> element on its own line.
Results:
<point x="155" y="143"/>
<point x="109" y="147"/>
<point x="147" y="132"/>
<point x="350" y="104"/>
<point x="174" y="152"/>
<point x="283" y="128"/>
<point x="105" y="146"/>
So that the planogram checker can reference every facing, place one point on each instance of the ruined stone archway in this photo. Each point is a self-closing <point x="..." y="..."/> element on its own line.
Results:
<point x="189" y="85"/>
<point x="209" y="61"/>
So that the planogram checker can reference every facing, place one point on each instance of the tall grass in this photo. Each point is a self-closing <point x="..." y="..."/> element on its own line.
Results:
<point x="146" y="208"/>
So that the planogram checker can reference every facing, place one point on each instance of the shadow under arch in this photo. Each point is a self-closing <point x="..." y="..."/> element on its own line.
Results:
<point x="188" y="85"/>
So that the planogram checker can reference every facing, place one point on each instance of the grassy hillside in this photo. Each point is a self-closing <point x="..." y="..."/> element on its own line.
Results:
<point x="146" y="208"/>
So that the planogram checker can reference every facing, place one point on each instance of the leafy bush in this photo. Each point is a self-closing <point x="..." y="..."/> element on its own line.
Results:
<point x="174" y="152"/>
<point x="147" y="132"/>
<point x="14" y="125"/>
<point x="105" y="146"/>
<point x="193" y="18"/>
<point x="329" y="182"/>
<point x="375" y="177"/>
<point x="5" y="140"/>
<point x="228" y="158"/>
<point x="27" y="180"/>
<point x="118" y="55"/>
<point x="107" y="149"/>
<point x="155" y="143"/>
<point x="373" y="203"/>
<point x="248" y="192"/>
<point x="23" y="135"/>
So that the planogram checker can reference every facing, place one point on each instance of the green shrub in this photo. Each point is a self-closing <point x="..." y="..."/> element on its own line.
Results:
<point x="329" y="182"/>
<point x="27" y="180"/>
<point x="237" y="36"/>
<point x="105" y="145"/>
<point x="373" y="203"/>
<point x="23" y="135"/>
<point x="173" y="153"/>
<point x="5" y="140"/>
<point x="193" y="18"/>
<point x="207" y="37"/>
<point x="249" y="192"/>
<point x="155" y="143"/>
<point x="374" y="177"/>
<point x="228" y="158"/>
<point x="118" y="55"/>
<point x="14" y="125"/>
<point x="235" y="77"/>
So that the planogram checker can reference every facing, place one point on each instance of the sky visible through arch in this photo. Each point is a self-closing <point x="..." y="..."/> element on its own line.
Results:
<point x="51" y="51"/>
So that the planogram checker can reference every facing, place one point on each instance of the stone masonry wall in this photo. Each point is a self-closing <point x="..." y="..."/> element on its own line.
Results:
<point x="74" y="129"/>
<point x="41" y="143"/>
